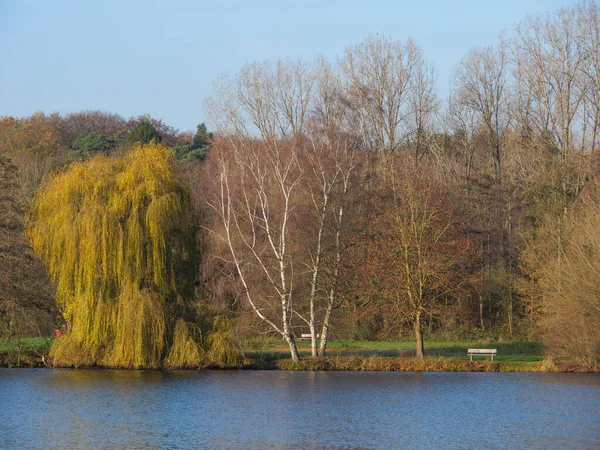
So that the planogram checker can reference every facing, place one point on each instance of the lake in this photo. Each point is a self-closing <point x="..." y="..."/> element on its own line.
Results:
<point x="52" y="408"/>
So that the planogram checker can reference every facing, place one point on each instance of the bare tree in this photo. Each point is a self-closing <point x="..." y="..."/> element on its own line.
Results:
<point x="461" y="121"/>
<point x="297" y="112"/>
<point x="588" y="40"/>
<point x="425" y="106"/>
<point x="331" y="165"/>
<point x="265" y="99"/>
<point x="75" y="124"/>
<point x="415" y="256"/>
<point x="568" y="270"/>
<point x="548" y="64"/>
<point x="252" y="199"/>
<point x="262" y="112"/>
<point x="380" y="76"/>
<point x="480" y="85"/>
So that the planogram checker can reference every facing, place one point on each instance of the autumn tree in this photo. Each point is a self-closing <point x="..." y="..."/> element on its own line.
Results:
<point x="566" y="270"/>
<point x="30" y="152"/>
<point x="34" y="146"/>
<point x="72" y="125"/>
<point x="415" y="256"/>
<point x="114" y="235"/>
<point x="26" y="295"/>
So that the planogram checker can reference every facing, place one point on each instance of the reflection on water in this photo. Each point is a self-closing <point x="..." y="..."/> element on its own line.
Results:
<point x="159" y="409"/>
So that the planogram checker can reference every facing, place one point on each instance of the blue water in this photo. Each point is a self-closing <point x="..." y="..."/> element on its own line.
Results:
<point x="305" y="410"/>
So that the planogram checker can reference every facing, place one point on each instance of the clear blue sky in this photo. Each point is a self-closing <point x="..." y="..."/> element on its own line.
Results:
<point x="161" y="57"/>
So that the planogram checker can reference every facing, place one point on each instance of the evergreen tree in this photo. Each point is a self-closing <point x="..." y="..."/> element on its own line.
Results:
<point x="202" y="138"/>
<point x="143" y="133"/>
<point x="87" y="144"/>
<point x="199" y="146"/>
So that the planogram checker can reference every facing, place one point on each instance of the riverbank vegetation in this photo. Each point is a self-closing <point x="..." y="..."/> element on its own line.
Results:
<point x="339" y="201"/>
<point x="273" y="354"/>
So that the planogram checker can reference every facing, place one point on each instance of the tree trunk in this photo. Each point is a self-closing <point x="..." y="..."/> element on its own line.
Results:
<point x="336" y="270"/>
<point x="287" y="329"/>
<point x="325" y="329"/>
<point x="313" y="339"/>
<point x="482" y="292"/>
<point x="481" y="313"/>
<point x="293" y="349"/>
<point x="419" y="336"/>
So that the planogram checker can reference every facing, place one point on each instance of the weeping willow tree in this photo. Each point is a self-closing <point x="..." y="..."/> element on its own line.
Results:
<point x="114" y="235"/>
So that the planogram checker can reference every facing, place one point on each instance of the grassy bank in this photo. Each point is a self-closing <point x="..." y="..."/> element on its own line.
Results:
<point x="24" y="352"/>
<point x="509" y="351"/>
<point x="441" y="356"/>
<point x="272" y="354"/>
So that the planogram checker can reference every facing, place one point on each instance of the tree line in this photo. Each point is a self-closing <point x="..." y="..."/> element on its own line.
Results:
<point x="345" y="198"/>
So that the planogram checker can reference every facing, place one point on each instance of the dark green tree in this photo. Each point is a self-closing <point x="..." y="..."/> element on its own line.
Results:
<point x="199" y="146"/>
<point x="143" y="133"/>
<point x="203" y="138"/>
<point x="87" y="144"/>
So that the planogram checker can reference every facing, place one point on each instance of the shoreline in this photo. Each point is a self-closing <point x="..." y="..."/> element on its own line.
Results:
<point x="342" y="363"/>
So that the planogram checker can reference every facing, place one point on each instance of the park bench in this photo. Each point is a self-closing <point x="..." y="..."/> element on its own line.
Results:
<point x="306" y="336"/>
<point x="482" y="351"/>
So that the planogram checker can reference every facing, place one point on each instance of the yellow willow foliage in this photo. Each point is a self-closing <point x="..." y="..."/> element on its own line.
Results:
<point x="185" y="346"/>
<point x="221" y="341"/>
<point x="111" y="232"/>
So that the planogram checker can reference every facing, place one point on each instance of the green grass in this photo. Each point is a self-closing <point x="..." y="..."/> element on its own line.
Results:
<point x="30" y="345"/>
<point x="24" y="352"/>
<point x="273" y="353"/>
<point x="513" y="351"/>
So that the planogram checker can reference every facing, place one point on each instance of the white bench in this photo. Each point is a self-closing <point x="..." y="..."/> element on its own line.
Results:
<point x="307" y="336"/>
<point x="482" y="351"/>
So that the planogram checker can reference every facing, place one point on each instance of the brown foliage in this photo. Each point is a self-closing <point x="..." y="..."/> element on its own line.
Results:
<point x="74" y="124"/>
<point x="29" y="152"/>
<point x="411" y="257"/>
<point x="569" y="277"/>
<point x="27" y="307"/>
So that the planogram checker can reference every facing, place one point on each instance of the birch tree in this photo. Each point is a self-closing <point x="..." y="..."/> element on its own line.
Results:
<point x="251" y="195"/>
<point x="292" y="155"/>
<point x="331" y="165"/>
<point x="261" y="113"/>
